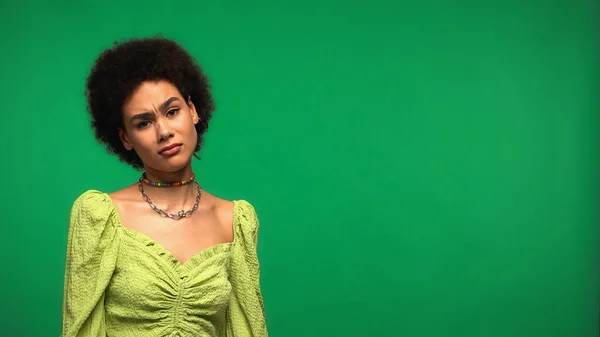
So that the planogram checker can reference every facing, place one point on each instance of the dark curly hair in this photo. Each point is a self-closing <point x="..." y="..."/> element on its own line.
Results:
<point x="121" y="69"/>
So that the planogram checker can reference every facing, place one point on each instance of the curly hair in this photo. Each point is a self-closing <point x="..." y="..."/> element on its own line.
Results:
<point x="121" y="69"/>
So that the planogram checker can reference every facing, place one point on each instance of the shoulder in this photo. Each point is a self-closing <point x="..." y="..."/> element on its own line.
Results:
<point x="126" y="193"/>
<point x="245" y="209"/>
<point x="92" y="229"/>
<point x="89" y="200"/>
<point x="91" y="207"/>
<point x="242" y="212"/>
<point x="124" y="200"/>
<point x="246" y="220"/>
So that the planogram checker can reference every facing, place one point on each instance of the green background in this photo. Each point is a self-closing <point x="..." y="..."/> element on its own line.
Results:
<point x="420" y="168"/>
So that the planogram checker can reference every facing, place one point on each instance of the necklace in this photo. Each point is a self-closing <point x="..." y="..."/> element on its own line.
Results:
<point x="167" y="184"/>
<point x="181" y="214"/>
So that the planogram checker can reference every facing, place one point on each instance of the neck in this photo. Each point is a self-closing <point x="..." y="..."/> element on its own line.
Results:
<point x="175" y="198"/>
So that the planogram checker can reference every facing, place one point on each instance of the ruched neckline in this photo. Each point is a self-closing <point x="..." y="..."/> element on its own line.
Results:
<point x="164" y="253"/>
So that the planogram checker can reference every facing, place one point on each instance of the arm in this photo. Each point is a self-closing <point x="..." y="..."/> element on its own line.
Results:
<point x="246" y="314"/>
<point x="90" y="260"/>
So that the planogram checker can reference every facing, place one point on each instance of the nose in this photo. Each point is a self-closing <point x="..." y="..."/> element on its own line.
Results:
<point x="164" y="132"/>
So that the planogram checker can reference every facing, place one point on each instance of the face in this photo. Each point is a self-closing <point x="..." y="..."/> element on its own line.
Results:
<point x="159" y="126"/>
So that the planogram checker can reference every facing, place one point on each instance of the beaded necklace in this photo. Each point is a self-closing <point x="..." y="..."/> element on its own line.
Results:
<point x="167" y="184"/>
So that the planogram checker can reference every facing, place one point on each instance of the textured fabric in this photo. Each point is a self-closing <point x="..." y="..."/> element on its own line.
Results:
<point x="119" y="282"/>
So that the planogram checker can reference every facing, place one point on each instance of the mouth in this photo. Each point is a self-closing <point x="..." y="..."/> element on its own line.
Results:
<point x="171" y="149"/>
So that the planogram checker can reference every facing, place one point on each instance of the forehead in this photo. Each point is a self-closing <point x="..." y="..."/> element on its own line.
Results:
<point x="149" y="95"/>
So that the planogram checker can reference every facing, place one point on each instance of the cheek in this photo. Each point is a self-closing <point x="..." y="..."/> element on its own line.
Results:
<point x="193" y="136"/>
<point x="189" y="127"/>
<point x="193" y="130"/>
<point x="142" y="141"/>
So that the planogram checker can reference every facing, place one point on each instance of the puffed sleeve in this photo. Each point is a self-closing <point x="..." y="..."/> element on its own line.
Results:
<point x="92" y="247"/>
<point x="246" y="313"/>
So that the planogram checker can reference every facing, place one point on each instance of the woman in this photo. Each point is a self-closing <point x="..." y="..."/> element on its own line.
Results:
<point x="160" y="257"/>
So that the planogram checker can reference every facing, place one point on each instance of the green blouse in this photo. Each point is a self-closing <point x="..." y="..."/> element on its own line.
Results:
<point x="119" y="282"/>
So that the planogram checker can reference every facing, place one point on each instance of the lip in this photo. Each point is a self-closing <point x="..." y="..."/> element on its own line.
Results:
<point x="170" y="149"/>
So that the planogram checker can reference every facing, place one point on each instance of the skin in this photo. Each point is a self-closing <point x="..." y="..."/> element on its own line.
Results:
<point x="155" y="116"/>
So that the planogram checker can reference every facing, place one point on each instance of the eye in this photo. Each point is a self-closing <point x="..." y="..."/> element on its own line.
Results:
<point x="172" y="112"/>
<point x="142" y="124"/>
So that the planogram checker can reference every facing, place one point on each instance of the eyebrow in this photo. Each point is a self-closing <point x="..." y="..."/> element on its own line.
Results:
<point x="162" y="106"/>
<point x="166" y="103"/>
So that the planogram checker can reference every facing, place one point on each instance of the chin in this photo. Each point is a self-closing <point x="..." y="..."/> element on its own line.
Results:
<point x="173" y="164"/>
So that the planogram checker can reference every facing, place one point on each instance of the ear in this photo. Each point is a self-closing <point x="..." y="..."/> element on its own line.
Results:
<point x="193" y="112"/>
<point x="125" y="140"/>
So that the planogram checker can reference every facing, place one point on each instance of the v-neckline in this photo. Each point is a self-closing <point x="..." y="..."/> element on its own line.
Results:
<point x="145" y="239"/>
